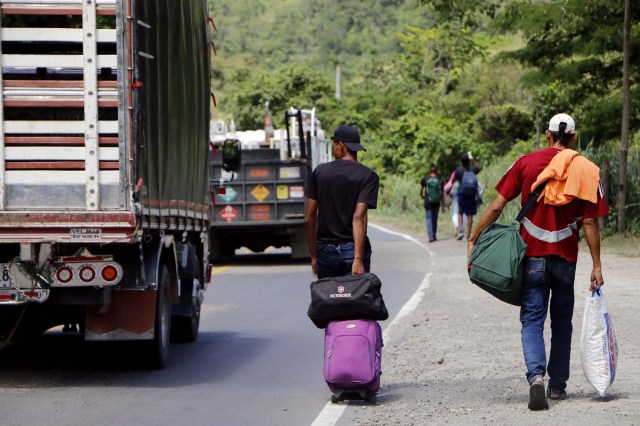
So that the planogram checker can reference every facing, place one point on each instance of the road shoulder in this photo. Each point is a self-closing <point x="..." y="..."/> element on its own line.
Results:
<point x="457" y="358"/>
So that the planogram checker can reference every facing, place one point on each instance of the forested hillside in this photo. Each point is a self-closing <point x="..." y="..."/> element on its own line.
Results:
<point x="319" y="33"/>
<point x="425" y="80"/>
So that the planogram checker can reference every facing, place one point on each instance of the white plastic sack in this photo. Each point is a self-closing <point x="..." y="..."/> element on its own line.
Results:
<point x="598" y="346"/>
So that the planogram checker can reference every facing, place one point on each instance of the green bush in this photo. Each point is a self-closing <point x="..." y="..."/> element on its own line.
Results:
<point x="607" y="157"/>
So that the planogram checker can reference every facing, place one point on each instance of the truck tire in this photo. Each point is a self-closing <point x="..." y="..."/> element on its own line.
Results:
<point x="184" y="328"/>
<point x="186" y="323"/>
<point x="156" y="351"/>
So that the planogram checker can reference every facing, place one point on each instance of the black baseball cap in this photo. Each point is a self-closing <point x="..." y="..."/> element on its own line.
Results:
<point x="349" y="136"/>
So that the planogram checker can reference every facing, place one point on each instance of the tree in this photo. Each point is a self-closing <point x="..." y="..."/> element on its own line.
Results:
<point x="469" y="13"/>
<point x="436" y="55"/>
<point x="580" y="46"/>
<point x="626" y="107"/>
<point x="576" y="45"/>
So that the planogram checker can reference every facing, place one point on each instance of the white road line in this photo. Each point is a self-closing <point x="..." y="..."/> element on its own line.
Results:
<point x="399" y="234"/>
<point x="331" y="413"/>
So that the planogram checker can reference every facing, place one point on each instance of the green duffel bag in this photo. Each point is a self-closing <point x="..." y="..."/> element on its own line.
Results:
<point x="495" y="264"/>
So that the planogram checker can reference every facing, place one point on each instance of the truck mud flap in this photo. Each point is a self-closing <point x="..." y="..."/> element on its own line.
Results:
<point x="129" y="316"/>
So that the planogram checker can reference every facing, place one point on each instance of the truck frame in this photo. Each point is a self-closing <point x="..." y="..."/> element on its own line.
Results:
<point x="104" y="201"/>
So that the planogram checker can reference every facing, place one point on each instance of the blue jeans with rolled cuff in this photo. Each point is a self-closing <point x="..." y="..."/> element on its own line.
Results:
<point x="431" y="214"/>
<point x="336" y="260"/>
<point x="547" y="287"/>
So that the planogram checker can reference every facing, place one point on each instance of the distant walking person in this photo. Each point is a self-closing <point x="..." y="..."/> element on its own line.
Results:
<point x="432" y="192"/>
<point x="339" y="195"/>
<point x="451" y="189"/>
<point x="573" y="199"/>
<point x="468" y="187"/>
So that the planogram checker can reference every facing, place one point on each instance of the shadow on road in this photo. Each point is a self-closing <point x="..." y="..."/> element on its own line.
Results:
<point x="271" y="256"/>
<point x="66" y="360"/>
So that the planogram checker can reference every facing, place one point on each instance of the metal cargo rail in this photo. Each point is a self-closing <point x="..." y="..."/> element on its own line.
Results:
<point x="67" y="124"/>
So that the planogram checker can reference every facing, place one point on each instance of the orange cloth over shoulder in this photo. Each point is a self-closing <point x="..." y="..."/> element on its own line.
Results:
<point x="570" y="176"/>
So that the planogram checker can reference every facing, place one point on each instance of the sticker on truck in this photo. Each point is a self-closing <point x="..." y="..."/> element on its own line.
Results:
<point x="229" y="213"/>
<point x="260" y="192"/>
<point x="260" y="212"/>
<point x="282" y="192"/>
<point x="5" y="276"/>
<point x="229" y="195"/>
<point x="85" y="234"/>
<point x="290" y="173"/>
<point x="296" y="192"/>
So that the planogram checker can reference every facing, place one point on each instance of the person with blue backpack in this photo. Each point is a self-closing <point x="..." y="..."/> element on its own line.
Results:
<point x="432" y="193"/>
<point x="468" y="188"/>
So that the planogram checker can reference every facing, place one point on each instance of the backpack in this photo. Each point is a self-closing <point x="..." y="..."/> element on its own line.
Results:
<point x="469" y="184"/>
<point x="434" y="190"/>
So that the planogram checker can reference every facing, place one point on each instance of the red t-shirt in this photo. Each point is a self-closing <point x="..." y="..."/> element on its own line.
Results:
<point x="548" y="230"/>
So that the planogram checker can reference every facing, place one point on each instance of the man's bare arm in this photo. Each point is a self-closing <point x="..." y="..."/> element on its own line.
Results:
<point x="310" y="221"/>
<point x="592" y="237"/>
<point x="360" y="218"/>
<point x="490" y="215"/>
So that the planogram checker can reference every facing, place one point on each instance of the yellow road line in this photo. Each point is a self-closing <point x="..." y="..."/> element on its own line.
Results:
<point x="221" y="269"/>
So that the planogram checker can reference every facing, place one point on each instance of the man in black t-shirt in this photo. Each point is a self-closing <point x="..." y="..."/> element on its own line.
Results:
<point x="339" y="193"/>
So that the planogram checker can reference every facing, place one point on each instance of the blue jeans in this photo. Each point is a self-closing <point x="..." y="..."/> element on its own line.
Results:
<point x="431" y="214"/>
<point x="545" y="278"/>
<point x="336" y="260"/>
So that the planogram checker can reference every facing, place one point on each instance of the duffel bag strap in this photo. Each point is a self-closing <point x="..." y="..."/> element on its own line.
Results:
<point x="533" y="198"/>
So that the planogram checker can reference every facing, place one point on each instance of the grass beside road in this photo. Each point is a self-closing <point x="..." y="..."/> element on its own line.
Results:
<point x="621" y="245"/>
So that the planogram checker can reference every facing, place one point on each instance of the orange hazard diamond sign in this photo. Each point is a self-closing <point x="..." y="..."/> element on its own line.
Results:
<point x="260" y="192"/>
<point x="229" y="213"/>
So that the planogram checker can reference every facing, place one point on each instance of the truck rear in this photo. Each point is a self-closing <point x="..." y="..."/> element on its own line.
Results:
<point x="262" y="204"/>
<point x="104" y="201"/>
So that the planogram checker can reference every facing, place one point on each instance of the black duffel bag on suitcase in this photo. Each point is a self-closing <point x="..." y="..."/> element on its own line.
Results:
<point x="347" y="297"/>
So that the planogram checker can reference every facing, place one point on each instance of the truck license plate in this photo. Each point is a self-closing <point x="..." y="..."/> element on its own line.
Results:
<point x="5" y="276"/>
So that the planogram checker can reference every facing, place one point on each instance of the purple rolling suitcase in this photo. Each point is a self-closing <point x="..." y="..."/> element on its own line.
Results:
<point x="352" y="357"/>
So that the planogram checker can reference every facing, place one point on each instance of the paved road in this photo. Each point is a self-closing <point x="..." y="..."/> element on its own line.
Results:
<point x="258" y="360"/>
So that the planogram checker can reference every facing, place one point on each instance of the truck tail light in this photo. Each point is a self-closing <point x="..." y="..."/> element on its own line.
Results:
<point x="64" y="274"/>
<point x="109" y="273"/>
<point x="87" y="274"/>
<point x="79" y="271"/>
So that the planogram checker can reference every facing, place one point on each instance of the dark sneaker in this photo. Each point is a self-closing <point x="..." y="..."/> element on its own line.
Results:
<point x="537" y="398"/>
<point x="460" y="235"/>
<point x="556" y="395"/>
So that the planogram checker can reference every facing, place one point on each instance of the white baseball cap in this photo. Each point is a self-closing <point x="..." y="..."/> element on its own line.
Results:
<point x="554" y="123"/>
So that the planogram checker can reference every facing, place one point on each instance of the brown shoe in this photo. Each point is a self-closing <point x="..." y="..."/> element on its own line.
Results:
<point x="537" y="397"/>
<point x="556" y="395"/>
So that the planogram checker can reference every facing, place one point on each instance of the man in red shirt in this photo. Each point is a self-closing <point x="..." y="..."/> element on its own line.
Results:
<point x="551" y="233"/>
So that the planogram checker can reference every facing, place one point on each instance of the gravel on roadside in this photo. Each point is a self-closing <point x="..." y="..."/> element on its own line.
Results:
<point x="457" y="358"/>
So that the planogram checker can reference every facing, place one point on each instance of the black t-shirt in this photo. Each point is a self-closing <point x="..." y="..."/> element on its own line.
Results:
<point x="338" y="186"/>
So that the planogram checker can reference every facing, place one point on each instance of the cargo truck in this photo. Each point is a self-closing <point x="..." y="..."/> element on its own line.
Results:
<point x="260" y="202"/>
<point x="104" y="156"/>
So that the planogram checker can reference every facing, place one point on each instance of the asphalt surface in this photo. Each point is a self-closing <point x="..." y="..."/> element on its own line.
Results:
<point x="258" y="359"/>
